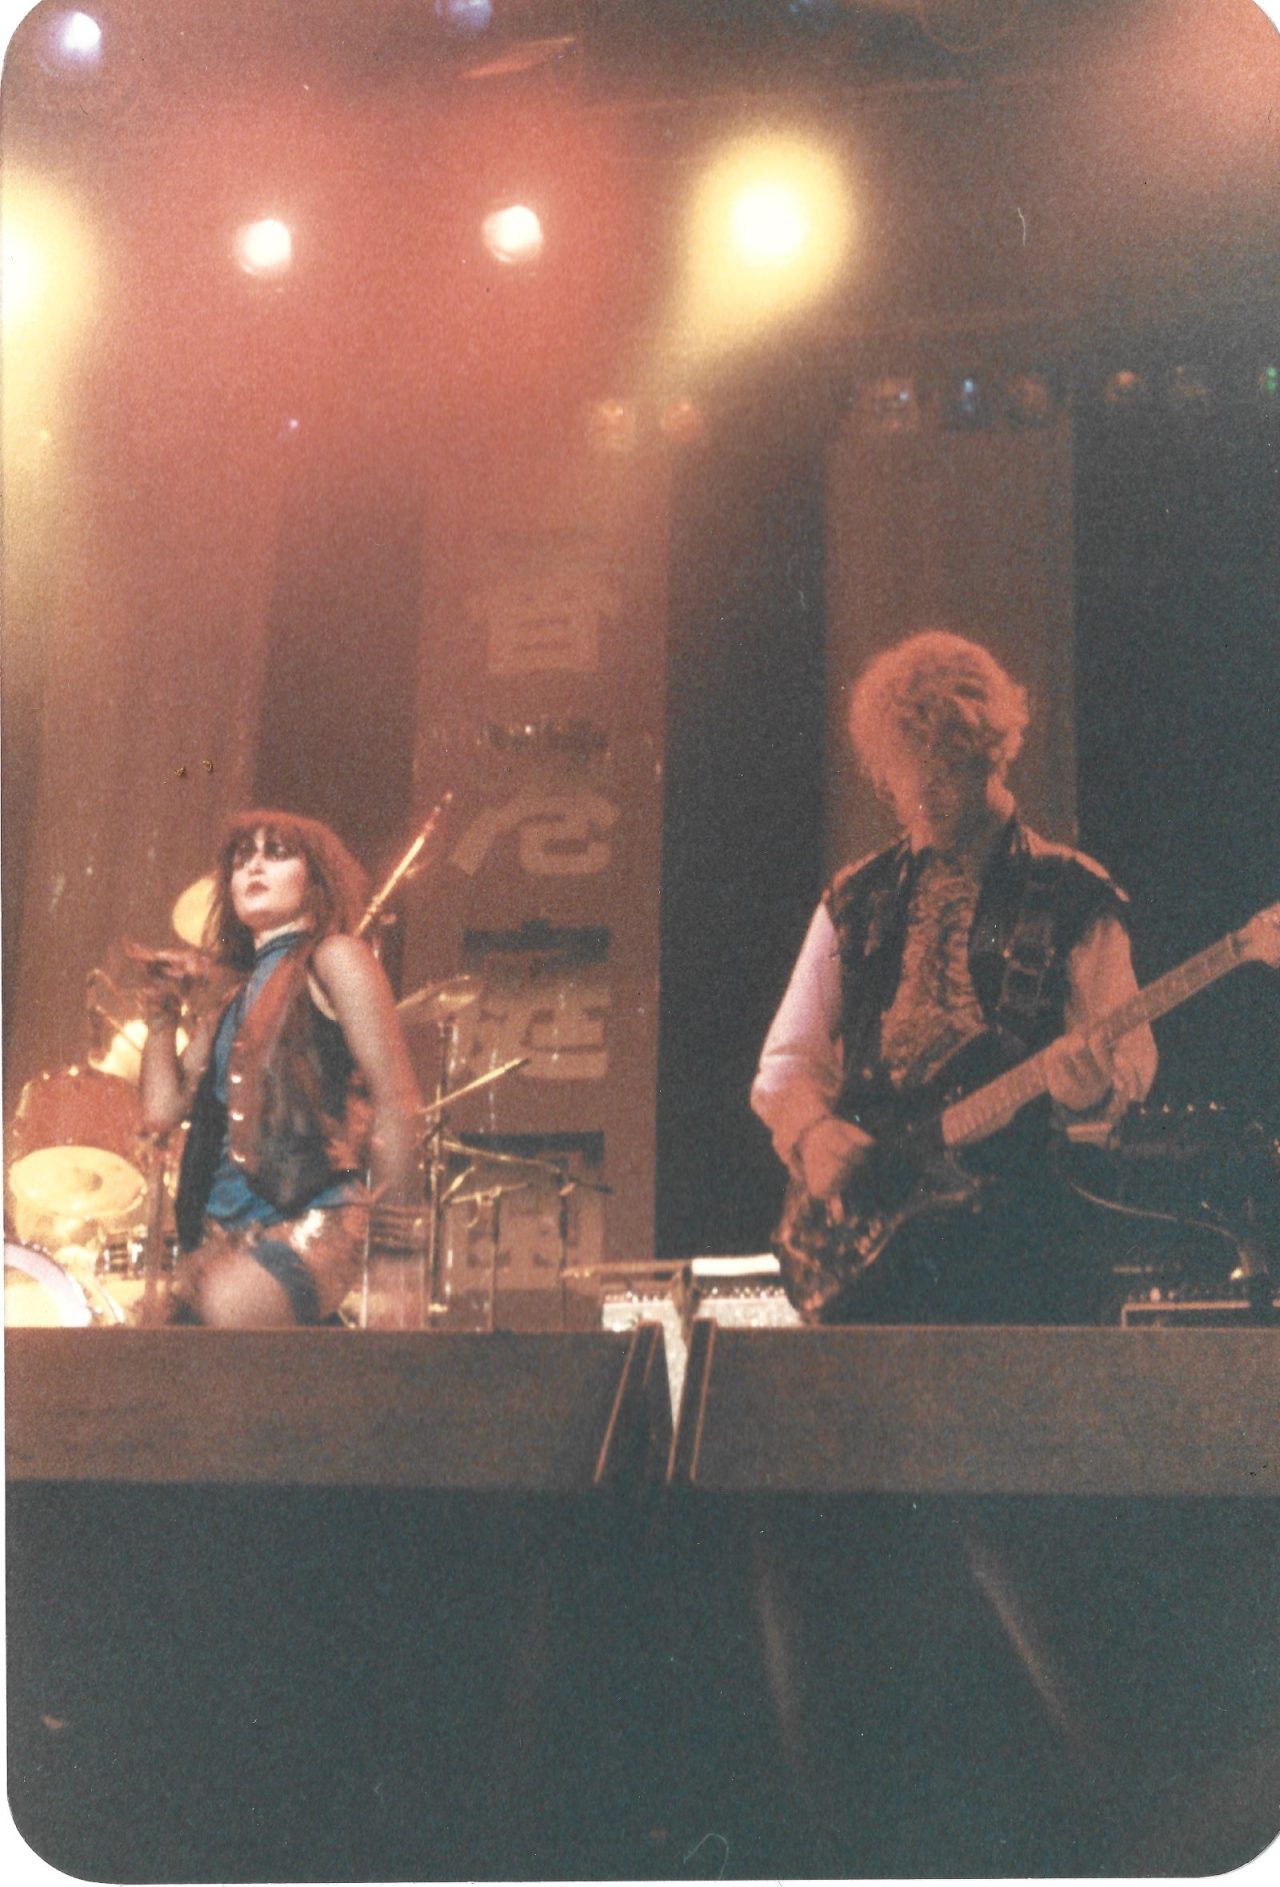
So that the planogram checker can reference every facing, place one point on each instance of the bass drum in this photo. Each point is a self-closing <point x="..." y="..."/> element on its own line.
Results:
<point x="74" y="1155"/>
<point x="80" y="1107"/>
<point x="39" y="1293"/>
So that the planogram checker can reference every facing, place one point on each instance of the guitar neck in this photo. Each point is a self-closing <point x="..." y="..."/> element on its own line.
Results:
<point x="990" y="1107"/>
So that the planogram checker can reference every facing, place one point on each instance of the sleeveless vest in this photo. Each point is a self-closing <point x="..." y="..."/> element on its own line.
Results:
<point x="295" y="1117"/>
<point x="1035" y="903"/>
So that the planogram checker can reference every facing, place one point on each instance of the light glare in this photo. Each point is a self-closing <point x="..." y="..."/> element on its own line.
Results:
<point x="48" y="290"/>
<point x="265" y="247"/>
<point x="81" y="37"/>
<point x="21" y="286"/>
<point x="465" y="17"/>
<point x="768" y="233"/>
<point x="513" y="234"/>
<point x="769" y="222"/>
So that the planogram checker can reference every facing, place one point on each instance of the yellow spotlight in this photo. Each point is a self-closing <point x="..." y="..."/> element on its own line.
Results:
<point x="769" y="223"/>
<point x="46" y="264"/>
<point x="769" y="230"/>
<point x="21" y="283"/>
<point x="265" y="247"/>
<point x="46" y="295"/>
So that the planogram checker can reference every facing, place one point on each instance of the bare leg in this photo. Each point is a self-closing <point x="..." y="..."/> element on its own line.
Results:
<point x="268" y="1277"/>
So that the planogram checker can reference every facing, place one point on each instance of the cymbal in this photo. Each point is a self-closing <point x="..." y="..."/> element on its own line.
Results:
<point x="434" y="1001"/>
<point x="76" y="1182"/>
<point x="192" y="909"/>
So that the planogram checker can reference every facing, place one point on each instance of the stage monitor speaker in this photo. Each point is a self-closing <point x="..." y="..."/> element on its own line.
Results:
<point x="980" y="1410"/>
<point x="551" y="1413"/>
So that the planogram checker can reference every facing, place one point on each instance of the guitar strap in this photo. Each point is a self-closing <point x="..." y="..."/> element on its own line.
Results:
<point x="1029" y="957"/>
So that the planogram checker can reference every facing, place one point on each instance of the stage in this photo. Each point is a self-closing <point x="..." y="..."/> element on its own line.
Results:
<point x="364" y="1605"/>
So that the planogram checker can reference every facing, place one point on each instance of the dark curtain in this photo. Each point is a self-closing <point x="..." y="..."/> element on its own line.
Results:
<point x="1178" y="674"/>
<point x="743" y="821"/>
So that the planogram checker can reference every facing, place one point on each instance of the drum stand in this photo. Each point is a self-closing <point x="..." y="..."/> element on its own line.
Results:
<point x="437" y="1147"/>
<point x="440" y="1005"/>
<point x="490" y="1197"/>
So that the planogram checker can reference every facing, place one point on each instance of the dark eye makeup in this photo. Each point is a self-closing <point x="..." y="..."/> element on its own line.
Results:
<point x="272" y="847"/>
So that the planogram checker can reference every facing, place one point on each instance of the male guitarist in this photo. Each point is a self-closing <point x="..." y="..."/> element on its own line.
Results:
<point x="967" y="945"/>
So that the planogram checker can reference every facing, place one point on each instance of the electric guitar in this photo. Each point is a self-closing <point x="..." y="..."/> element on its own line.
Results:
<point x="911" y="1171"/>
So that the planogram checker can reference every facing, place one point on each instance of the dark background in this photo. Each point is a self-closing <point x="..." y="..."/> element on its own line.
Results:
<point x="1177" y="581"/>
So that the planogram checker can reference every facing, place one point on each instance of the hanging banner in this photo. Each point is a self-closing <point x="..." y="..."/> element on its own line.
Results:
<point x="541" y="712"/>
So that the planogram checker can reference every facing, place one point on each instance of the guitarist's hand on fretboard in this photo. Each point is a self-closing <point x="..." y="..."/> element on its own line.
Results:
<point x="827" y="1154"/>
<point x="1078" y="1072"/>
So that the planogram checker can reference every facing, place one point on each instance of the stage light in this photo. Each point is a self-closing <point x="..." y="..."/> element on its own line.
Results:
<point x="46" y="279"/>
<point x="20" y="289"/>
<point x="466" y="18"/>
<point x="1125" y="389"/>
<point x="1268" y="385"/>
<point x="1189" y="391"/>
<point x="768" y="231"/>
<point x="1028" y="400"/>
<point x="683" y="422"/>
<point x="513" y="235"/>
<point x="264" y="247"/>
<point x="47" y="292"/>
<point x="613" y="425"/>
<point x="966" y="406"/>
<point x="769" y="222"/>
<point x="890" y="406"/>
<point x="81" y="37"/>
<point x="68" y="43"/>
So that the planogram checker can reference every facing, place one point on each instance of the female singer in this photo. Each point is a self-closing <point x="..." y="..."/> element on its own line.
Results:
<point x="281" y="1081"/>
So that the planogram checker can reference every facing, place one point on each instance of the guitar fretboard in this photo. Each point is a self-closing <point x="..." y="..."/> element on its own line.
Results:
<point x="992" y="1106"/>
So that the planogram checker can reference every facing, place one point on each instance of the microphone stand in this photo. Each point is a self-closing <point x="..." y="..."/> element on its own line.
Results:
<point x="404" y="865"/>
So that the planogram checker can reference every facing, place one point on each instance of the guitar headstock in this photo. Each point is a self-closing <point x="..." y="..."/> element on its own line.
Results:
<point x="1259" y="941"/>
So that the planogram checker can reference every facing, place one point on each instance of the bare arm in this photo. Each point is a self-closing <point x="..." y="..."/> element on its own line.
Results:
<point x="352" y="980"/>
<point x="168" y="1080"/>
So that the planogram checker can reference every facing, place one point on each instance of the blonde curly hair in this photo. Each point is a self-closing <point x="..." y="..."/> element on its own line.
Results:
<point x="935" y="694"/>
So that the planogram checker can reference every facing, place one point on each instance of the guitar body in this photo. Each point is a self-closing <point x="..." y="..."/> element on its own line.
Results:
<point x="907" y="1205"/>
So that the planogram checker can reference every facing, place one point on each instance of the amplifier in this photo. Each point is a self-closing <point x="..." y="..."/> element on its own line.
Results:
<point x="1189" y="1313"/>
<point x="741" y="1293"/>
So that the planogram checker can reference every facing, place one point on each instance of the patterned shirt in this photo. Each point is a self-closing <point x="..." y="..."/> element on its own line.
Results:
<point x="935" y="1010"/>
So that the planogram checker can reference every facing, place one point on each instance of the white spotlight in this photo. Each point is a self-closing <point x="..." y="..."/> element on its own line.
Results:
<point x="265" y="247"/>
<point x="80" y="37"/>
<point x="465" y="17"/>
<point x="513" y="234"/>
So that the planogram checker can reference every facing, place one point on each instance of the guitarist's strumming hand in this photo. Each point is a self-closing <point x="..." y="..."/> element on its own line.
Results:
<point x="827" y="1153"/>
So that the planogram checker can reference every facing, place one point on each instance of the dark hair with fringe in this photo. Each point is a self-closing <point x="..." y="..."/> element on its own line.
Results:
<point x="336" y="884"/>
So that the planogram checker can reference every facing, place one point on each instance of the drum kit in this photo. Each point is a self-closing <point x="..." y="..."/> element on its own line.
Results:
<point x="89" y="1191"/>
<point x="464" y="1176"/>
<point x="77" y="1201"/>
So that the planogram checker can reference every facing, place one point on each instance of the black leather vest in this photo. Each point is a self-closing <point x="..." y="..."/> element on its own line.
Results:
<point x="299" y="1116"/>
<point x="1035" y="903"/>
